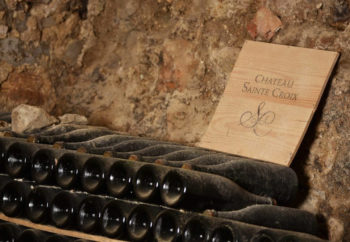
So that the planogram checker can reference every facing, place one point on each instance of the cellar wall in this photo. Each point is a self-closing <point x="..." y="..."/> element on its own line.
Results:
<point x="159" y="67"/>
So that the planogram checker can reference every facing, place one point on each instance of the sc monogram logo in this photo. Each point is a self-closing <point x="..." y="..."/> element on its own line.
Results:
<point x="259" y="122"/>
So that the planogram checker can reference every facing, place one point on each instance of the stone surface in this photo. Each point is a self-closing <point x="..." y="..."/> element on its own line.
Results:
<point x="26" y="118"/>
<point x="70" y="118"/>
<point x="265" y="24"/>
<point x="159" y="68"/>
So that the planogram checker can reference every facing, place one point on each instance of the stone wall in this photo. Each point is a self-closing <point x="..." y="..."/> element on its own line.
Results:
<point x="159" y="67"/>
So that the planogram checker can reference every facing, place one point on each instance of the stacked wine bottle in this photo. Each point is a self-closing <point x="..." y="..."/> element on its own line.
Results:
<point x="10" y="232"/>
<point x="98" y="181"/>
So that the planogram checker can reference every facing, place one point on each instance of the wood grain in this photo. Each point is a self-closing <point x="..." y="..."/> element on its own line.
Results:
<point x="47" y="228"/>
<point x="269" y="101"/>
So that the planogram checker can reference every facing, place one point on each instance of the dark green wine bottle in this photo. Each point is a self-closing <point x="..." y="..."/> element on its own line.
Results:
<point x="32" y="235"/>
<point x="18" y="158"/>
<point x="64" y="209"/>
<point x="89" y="214"/>
<point x="147" y="181"/>
<point x="13" y="198"/>
<point x="119" y="178"/>
<point x="262" y="178"/>
<point x="274" y="217"/>
<point x="38" y="203"/>
<point x="9" y="232"/>
<point x="199" y="191"/>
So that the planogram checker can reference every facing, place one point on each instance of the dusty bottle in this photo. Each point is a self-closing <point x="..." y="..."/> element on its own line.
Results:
<point x="89" y="214"/>
<point x="195" y="229"/>
<point x="57" y="129"/>
<point x="43" y="165"/>
<point x="13" y="198"/>
<point x="113" y="221"/>
<point x="119" y="149"/>
<point x="3" y="148"/>
<point x="263" y="236"/>
<point x="119" y="178"/>
<point x="147" y="181"/>
<point x="153" y="151"/>
<point x="200" y="159"/>
<point x="73" y="136"/>
<point x="92" y="176"/>
<point x="199" y="191"/>
<point x="39" y="202"/>
<point x="103" y="141"/>
<point x="64" y="209"/>
<point x="17" y="160"/>
<point x="32" y="235"/>
<point x="9" y="232"/>
<point x="224" y="233"/>
<point x="168" y="226"/>
<point x="4" y="179"/>
<point x="300" y="237"/>
<point x="58" y="238"/>
<point x="177" y="158"/>
<point x="262" y="178"/>
<point x="6" y="116"/>
<point x="273" y="217"/>
<point x="68" y="169"/>
<point x="139" y="223"/>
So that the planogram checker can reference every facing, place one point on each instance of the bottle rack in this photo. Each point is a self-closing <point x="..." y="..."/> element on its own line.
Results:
<point x="51" y="229"/>
<point x="143" y="153"/>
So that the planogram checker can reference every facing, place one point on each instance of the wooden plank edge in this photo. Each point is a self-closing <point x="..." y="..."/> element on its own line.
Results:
<point x="51" y="229"/>
<point x="331" y="70"/>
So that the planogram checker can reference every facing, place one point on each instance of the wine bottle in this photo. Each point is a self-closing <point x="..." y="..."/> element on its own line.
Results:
<point x="263" y="236"/>
<point x="154" y="150"/>
<point x="39" y="202"/>
<point x="195" y="230"/>
<point x="224" y="233"/>
<point x="199" y="191"/>
<point x="74" y="136"/>
<point x="119" y="149"/>
<point x="32" y="235"/>
<point x="92" y="177"/>
<point x="139" y="222"/>
<point x="300" y="237"/>
<point x="2" y="155"/>
<point x="175" y="158"/>
<point x="4" y="179"/>
<point x="273" y="217"/>
<point x="119" y="178"/>
<point x="4" y="144"/>
<point x="6" y="116"/>
<point x="58" y="238"/>
<point x="147" y="181"/>
<point x="102" y="141"/>
<point x="64" y="209"/>
<point x="58" y="129"/>
<point x="18" y="157"/>
<point x="43" y="165"/>
<point x="262" y="178"/>
<point x="13" y="197"/>
<point x="89" y="214"/>
<point x="9" y="232"/>
<point x="204" y="160"/>
<point x="168" y="226"/>
<point x="113" y="218"/>
<point x="274" y="235"/>
<point x="68" y="169"/>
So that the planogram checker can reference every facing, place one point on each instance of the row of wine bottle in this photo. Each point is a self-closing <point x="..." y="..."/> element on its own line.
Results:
<point x="174" y="187"/>
<point x="272" y="180"/>
<point x="136" y="221"/>
<point x="10" y="232"/>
